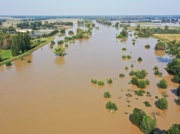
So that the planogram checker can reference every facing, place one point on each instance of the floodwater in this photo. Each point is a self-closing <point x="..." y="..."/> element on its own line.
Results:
<point x="54" y="95"/>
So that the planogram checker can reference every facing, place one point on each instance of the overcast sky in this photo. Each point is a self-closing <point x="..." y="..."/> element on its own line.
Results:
<point x="90" y="7"/>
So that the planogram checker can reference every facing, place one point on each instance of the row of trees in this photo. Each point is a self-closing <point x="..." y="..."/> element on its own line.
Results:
<point x="106" y="22"/>
<point x="20" y="43"/>
<point x="147" y="32"/>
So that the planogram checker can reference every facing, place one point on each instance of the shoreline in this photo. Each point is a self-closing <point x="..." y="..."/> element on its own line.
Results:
<point x="49" y="39"/>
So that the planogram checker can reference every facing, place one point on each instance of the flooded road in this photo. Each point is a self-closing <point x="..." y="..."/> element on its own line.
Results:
<point x="54" y="95"/>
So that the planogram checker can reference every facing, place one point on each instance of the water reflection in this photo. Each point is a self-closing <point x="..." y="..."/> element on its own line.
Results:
<point x="164" y="60"/>
<point x="159" y="53"/>
<point x="60" y="60"/>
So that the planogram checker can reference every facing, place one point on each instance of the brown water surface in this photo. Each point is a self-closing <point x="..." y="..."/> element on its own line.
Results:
<point x="54" y="95"/>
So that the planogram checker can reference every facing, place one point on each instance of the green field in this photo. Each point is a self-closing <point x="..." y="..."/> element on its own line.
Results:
<point x="6" y="54"/>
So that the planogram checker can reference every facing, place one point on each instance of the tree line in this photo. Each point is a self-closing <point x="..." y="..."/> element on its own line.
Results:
<point x="20" y="43"/>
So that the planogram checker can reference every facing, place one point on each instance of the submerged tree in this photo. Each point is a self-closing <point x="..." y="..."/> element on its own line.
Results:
<point x="173" y="49"/>
<point x="59" y="50"/>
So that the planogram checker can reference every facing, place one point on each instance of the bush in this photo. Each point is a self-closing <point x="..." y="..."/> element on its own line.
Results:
<point x="147" y="82"/>
<point x="162" y="84"/>
<point x="28" y="61"/>
<point x="147" y="125"/>
<point x="141" y="74"/>
<point x="107" y="95"/>
<point x="137" y="116"/>
<point x="71" y="32"/>
<point x="60" y="42"/>
<point x="109" y="81"/>
<point x="129" y="57"/>
<point x="124" y="56"/>
<point x="66" y="45"/>
<point x="121" y="75"/>
<point x="176" y="79"/>
<point x="126" y="68"/>
<point x="175" y="129"/>
<point x="111" y="106"/>
<point x="142" y="84"/>
<point x="160" y="46"/>
<point x="173" y="67"/>
<point x="132" y="65"/>
<point x="100" y="83"/>
<point x="139" y="59"/>
<point x="147" y="46"/>
<point x="132" y="73"/>
<point x="93" y="81"/>
<point x="156" y="97"/>
<point x="155" y="68"/>
<point x="8" y="64"/>
<point x="134" y="81"/>
<point x="162" y="103"/>
<point x="147" y="104"/>
<point x="124" y="49"/>
<point x="139" y="92"/>
<point x="59" y="50"/>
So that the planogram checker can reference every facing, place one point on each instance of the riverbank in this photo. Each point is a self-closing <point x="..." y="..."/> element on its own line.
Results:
<point x="48" y="40"/>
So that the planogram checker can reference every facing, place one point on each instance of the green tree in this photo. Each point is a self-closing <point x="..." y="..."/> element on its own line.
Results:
<point x="173" y="49"/>
<point x="162" y="84"/>
<point x="162" y="104"/>
<point x="174" y="129"/>
<point x="137" y="116"/>
<point x="134" y="81"/>
<point x="15" y="48"/>
<point x="147" y="125"/>
<point x="0" y="56"/>
<point x="59" y="50"/>
<point x="166" y="28"/>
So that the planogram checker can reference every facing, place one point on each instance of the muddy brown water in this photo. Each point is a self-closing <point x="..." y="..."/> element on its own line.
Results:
<point x="54" y="95"/>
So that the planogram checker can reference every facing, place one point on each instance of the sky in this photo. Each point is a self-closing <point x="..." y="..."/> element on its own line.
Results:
<point x="90" y="7"/>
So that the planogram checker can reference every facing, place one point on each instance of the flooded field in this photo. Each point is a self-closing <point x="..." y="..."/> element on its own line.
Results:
<point x="54" y="95"/>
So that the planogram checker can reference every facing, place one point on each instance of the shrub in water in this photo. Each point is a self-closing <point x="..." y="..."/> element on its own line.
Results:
<point x="162" y="84"/>
<point x="142" y="84"/>
<point x="100" y="83"/>
<point x="109" y="81"/>
<point x="139" y="59"/>
<point x="60" y="42"/>
<point x="129" y="57"/>
<point x="155" y="68"/>
<point x="176" y="79"/>
<point x="137" y="116"/>
<point x="160" y="46"/>
<point x="124" y="49"/>
<point x="126" y="68"/>
<point x="111" y="106"/>
<point x="107" y="95"/>
<point x="121" y="75"/>
<point x="8" y="64"/>
<point x="147" y="104"/>
<point x="132" y="73"/>
<point x="66" y="45"/>
<point x="162" y="103"/>
<point x="147" y="46"/>
<point x="147" y="82"/>
<point x="124" y="56"/>
<point x="141" y="74"/>
<point x="139" y="92"/>
<point x="59" y="50"/>
<point x="134" y="81"/>
<point x="29" y="61"/>
<point x="93" y="81"/>
<point x="178" y="101"/>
